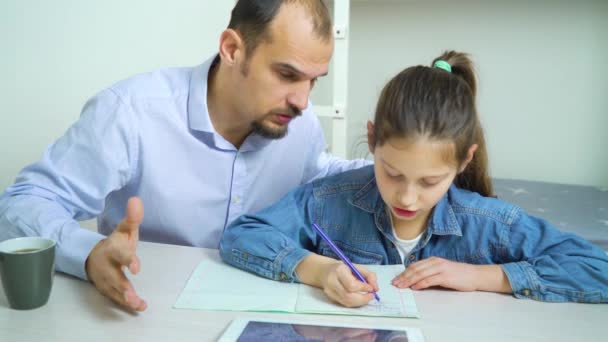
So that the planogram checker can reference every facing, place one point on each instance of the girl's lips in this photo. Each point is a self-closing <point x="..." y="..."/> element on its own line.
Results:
<point x="405" y="213"/>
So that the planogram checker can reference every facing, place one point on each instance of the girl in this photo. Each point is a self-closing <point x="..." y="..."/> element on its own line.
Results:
<point x="426" y="203"/>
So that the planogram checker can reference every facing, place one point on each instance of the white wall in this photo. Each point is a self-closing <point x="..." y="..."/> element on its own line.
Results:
<point x="62" y="52"/>
<point x="542" y="65"/>
<point x="543" y="75"/>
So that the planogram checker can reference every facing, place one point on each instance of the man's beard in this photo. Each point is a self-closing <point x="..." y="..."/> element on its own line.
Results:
<point x="260" y="128"/>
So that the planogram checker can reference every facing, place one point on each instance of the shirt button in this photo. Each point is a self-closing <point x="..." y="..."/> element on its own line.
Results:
<point x="283" y="276"/>
<point x="236" y="199"/>
<point x="525" y="292"/>
<point x="412" y="257"/>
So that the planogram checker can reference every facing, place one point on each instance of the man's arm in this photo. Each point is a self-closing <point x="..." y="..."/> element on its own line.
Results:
<point x="95" y="157"/>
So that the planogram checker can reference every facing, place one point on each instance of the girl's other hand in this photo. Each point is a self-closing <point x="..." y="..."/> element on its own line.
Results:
<point x="436" y="271"/>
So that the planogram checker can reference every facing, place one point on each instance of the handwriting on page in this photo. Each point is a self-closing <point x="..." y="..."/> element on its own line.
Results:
<point x="380" y="307"/>
<point x="393" y="302"/>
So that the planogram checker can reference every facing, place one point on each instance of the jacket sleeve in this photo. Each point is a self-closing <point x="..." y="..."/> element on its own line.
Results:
<point x="69" y="184"/>
<point x="546" y="264"/>
<point x="273" y="241"/>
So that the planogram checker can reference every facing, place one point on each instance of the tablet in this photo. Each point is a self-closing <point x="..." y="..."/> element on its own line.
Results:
<point x="259" y="329"/>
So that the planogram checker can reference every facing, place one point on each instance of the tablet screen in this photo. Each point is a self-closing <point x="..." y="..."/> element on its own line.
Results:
<point x="256" y="331"/>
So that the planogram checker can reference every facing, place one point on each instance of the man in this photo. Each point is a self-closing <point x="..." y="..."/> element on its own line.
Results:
<point x="200" y="146"/>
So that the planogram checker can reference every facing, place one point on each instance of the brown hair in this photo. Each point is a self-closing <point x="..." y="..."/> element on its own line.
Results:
<point x="438" y="104"/>
<point x="251" y="18"/>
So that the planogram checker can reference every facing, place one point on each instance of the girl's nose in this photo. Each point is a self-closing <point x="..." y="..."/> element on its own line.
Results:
<point x="408" y="196"/>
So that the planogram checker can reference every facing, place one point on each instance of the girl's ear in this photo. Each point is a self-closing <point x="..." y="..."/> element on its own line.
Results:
<point x="470" y="155"/>
<point x="370" y="136"/>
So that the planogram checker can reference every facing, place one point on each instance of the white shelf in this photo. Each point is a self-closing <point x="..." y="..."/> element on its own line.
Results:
<point x="337" y="110"/>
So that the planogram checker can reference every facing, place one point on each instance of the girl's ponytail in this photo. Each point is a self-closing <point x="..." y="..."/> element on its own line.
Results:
<point x="475" y="176"/>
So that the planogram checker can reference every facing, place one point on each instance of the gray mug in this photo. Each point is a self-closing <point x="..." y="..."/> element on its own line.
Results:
<point x="27" y="266"/>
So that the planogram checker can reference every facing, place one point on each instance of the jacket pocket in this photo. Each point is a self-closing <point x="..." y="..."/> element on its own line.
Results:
<point x="356" y="255"/>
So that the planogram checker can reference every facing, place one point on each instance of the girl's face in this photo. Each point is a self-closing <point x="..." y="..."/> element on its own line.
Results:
<point x="412" y="176"/>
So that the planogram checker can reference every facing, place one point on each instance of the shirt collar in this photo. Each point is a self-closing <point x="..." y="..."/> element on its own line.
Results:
<point x="198" y="112"/>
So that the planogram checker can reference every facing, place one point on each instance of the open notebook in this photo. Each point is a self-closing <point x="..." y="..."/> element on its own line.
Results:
<point x="215" y="285"/>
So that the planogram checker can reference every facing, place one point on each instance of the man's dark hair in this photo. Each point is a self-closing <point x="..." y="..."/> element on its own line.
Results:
<point x="252" y="18"/>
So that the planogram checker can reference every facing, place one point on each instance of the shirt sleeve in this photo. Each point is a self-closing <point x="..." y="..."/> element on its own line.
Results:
<point x="94" y="157"/>
<point x="549" y="265"/>
<point x="321" y="163"/>
<point x="272" y="242"/>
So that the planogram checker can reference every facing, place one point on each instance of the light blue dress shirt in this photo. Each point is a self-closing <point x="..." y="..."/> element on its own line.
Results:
<point x="151" y="136"/>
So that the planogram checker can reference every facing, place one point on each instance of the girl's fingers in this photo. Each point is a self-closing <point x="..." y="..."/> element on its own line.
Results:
<point x="416" y="272"/>
<point x="350" y="282"/>
<point x="339" y="290"/>
<point x="370" y="277"/>
<point x="434" y="280"/>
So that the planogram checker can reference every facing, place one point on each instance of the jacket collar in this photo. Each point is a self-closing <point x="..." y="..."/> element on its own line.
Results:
<point x="442" y="222"/>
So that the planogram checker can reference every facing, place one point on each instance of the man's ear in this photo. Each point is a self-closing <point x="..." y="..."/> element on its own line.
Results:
<point x="231" y="46"/>
<point x="470" y="155"/>
<point x="371" y="142"/>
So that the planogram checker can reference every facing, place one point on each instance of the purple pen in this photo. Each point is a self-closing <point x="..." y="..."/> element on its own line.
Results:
<point x="341" y="255"/>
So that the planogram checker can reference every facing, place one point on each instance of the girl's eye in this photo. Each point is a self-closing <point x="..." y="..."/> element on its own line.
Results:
<point x="429" y="184"/>
<point x="392" y="175"/>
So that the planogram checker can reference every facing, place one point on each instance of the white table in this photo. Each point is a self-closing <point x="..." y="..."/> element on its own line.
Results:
<point x="77" y="312"/>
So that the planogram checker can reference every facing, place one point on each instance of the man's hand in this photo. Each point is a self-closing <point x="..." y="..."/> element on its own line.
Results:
<point x="110" y="256"/>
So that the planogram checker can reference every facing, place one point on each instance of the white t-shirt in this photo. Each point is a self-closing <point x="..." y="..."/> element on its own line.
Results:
<point x="403" y="246"/>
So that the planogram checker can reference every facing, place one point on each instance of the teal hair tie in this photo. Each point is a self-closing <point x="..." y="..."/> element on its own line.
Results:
<point x="443" y="65"/>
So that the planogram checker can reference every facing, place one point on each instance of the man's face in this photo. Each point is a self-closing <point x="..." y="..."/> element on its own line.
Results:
<point x="274" y="82"/>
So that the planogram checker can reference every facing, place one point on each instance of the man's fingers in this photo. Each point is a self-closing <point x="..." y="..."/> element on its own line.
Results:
<point x="118" y="288"/>
<point x="134" y="265"/>
<point x="123" y="256"/>
<point x="133" y="217"/>
<point x="124" y="294"/>
<point x="105" y="269"/>
<point x="122" y="246"/>
<point x="133" y="301"/>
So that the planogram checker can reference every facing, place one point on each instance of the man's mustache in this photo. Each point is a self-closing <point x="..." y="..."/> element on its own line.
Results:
<point x="293" y="112"/>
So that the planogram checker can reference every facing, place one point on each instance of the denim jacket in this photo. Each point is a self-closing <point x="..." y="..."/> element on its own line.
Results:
<point x="539" y="261"/>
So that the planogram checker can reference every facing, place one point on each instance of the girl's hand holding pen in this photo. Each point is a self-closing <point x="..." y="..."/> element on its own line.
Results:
<point x="337" y="280"/>
<point x="341" y="286"/>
